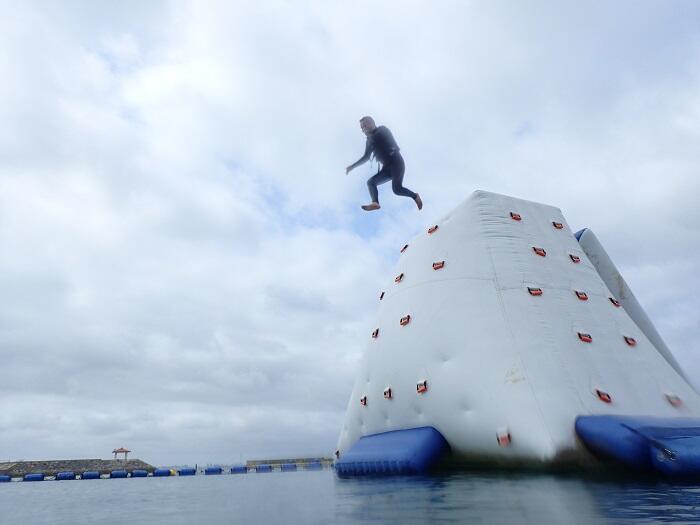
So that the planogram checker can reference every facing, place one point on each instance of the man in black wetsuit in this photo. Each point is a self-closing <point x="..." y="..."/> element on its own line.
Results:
<point x="381" y="143"/>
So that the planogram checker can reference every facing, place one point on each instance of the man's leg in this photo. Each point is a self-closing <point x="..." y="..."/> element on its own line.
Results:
<point x="398" y="169"/>
<point x="379" y="178"/>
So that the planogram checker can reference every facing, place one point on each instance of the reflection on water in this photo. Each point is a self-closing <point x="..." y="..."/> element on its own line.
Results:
<point x="321" y="497"/>
<point x="515" y="498"/>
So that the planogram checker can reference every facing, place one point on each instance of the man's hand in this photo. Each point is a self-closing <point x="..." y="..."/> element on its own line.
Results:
<point x="348" y="170"/>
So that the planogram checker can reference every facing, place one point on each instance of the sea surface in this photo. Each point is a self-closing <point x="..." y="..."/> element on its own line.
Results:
<point x="322" y="497"/>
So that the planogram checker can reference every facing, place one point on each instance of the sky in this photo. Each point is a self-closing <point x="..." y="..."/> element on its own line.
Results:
<point x="184" y="266"/>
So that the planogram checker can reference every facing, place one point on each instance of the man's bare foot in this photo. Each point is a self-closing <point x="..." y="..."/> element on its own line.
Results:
<point x="419" y="202"/>
<point x="371" y="207"/>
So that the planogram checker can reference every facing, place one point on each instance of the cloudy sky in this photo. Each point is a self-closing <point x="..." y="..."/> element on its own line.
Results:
<point x="184" y="267"/>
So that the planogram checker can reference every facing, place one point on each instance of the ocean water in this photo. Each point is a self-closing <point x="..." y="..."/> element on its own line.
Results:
<point x="321" y="497"/>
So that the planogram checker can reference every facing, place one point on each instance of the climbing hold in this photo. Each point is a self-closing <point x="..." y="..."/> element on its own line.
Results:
<point x="534" y="291"/>
<point x="581" y="295"/>
<point x="405" y="320"/>
<point x="398" y="278"/>
<point x="586" y="338"/>
<point x="433" y="229"/>
<point x="405" y="247"/>
<point x="387" y="393"/>
<point x="574" y="258"/>
<point x="422" y="386"/>
<point x="337" y="453"/>
<point x="630" y="341"/>
<point x="615" y="302"/>
<point x="557" y="225"/>
<point x="375" y="334"/>
<point x="381" y="296"/>
<point x="438" y="265"/>
<point x="503" y="437"/>
<point x="674" y="399"/>
<point x="603" y="396"/>
<point x="515" y="216"/>
<point x="539" y="251"/>
<point x="363" y="401"/>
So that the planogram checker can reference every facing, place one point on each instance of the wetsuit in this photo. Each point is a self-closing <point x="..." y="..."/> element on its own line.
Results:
<point x="381" y="143"/>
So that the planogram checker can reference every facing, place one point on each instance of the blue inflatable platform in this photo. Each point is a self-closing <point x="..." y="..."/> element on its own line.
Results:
<point x="411" y="451"/>
<point x="669" y="446"/>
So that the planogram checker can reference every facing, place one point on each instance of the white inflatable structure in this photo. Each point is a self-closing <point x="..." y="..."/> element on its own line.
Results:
<point x="498" y="329"/>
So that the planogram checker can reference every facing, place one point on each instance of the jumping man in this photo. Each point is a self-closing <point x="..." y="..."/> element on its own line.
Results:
<point x="381" y="143"/>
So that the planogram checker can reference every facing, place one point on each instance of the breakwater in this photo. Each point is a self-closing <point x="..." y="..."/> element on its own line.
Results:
<point x="63" y="470"/>
<point x="52" y="468"/>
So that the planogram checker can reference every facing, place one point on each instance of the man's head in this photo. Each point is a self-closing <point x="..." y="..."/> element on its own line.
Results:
<point x="367" y="125"/>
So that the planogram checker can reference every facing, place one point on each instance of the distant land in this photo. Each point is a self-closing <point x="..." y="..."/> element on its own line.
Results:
<point x="18" y="469"/>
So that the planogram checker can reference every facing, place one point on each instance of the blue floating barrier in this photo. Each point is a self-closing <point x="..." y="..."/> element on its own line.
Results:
<point x="36" y="476"/>
<point x="239" y="469"/>
<point x="118" y="474"/>
<point x="5" y="478"/>
<point x="314" y="465"/>
<point x="161" y="473"/>
<point x="64" y="476"/>
<point x="665" y="445"/>
<point x="288" y="467"/>
<point x="187" y="471"/>
<point x="212" y="471"/>
<point x="90" y="474"/>
<point x="138" y="473"/>
<point x="263" y="468"/>
<point x="411" y="451"/>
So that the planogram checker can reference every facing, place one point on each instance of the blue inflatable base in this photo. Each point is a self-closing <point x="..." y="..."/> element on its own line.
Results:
<point x="669" y="446"/>
<point x="411" y="451"/>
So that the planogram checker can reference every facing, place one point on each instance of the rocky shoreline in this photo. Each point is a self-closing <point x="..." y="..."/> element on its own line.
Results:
<point x="18" y="469"/>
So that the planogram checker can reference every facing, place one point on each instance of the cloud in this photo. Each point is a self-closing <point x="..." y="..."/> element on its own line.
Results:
<point x="185" y="269"/>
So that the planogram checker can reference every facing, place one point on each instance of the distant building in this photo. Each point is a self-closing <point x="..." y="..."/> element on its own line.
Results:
<point x="121" y="450"/>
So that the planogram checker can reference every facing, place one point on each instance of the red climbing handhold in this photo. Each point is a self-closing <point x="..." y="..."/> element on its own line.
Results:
<point x="503" y="437"/>
<point x="603" y="396"/>
<point x="615" y="302"/>
<point x="630" y="341"/>
<point x="581" y="295"/>
<point x="398" y="278"/>
<point x="515" y="216"/>
<point x="557" y="225"/>
<point x="539" y="251"/>
<point x="433" y="229"/>
<point x="586" y="338"/>
<point x="387" y="393"/>
<point x="438" y="265"/>
<point x="574" y="258"/>
<point x="674" y="400"/>
<point x="534" y="291"/>
<point x="363" y="401"/>
<point x="405" y="320"/>
<point x="422" y="386"/>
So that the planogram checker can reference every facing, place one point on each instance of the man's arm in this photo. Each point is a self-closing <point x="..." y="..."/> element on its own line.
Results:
<point x="363" y="159"/>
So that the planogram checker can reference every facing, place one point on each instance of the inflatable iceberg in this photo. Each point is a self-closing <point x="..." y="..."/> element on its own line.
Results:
<point x="503" y="338"/>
